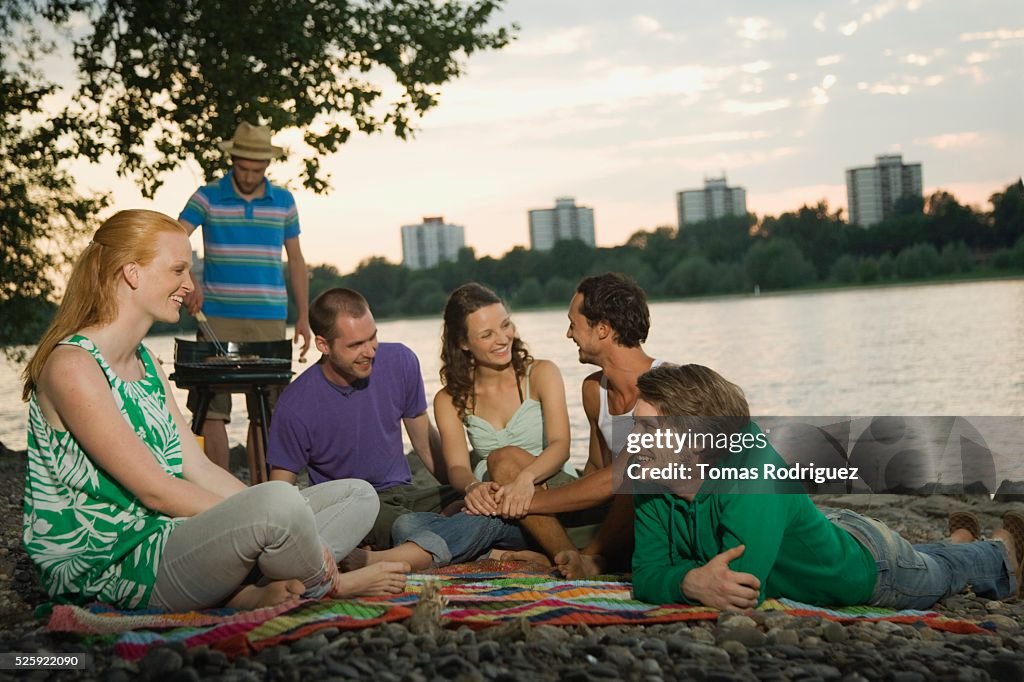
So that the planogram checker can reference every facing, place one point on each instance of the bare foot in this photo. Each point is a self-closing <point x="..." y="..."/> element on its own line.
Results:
<point x="526" y="555"/>
<point x="961" y="536"/>
<point x="1011" y="547"/>
<point x="573" y="565"/>
<point x="271" y="594"/>
<point x="410" y="553"/>
<point x="376" y="580"/>
<point x="357" y="559"/>
<point x="964" y="526"/>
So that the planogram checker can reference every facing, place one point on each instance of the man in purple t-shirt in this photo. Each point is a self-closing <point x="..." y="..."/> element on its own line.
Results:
<point x="342" y="418"/>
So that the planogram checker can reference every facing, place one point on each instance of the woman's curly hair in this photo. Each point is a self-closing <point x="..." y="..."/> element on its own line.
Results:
<point x="457" y="365"/>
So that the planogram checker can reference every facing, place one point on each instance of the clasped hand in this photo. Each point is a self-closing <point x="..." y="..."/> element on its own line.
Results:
<point x="716" y="585"/>
<point x="480" y="498"/>
<point x="510" y="501"/>
<point x="514" y="498"/>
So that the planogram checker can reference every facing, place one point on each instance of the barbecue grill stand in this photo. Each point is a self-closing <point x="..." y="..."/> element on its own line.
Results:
<point x="259" y="366"/>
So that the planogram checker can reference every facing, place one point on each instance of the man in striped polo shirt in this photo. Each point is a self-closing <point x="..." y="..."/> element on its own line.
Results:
<point x="246" y="221"/>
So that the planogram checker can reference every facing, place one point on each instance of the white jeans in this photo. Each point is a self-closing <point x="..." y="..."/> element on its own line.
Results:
<point x="274" y="528"/>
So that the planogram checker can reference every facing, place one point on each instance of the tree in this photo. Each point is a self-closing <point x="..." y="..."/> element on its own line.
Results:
<point x="955" y="258"/>
<point x="867" y="271"/>
<point x="844" y="270"/>
<point x="530" y="293"/>
<point x="778" y="264"/>
<point x="692" y="277"/>
<point x="42" y="217"/>
<point x="160" y="83"/>
<point x="558" y="290"/>
<point x="722" y="239"/>
<point x="908" y="204"/>
<point x="423" y="296"/>
<point x="952" y="221"/>
<point x="917" y="261"/>
<point x="380" y="282"/>
<point x="819" y="235"/>
<point x="1008" y="214"/>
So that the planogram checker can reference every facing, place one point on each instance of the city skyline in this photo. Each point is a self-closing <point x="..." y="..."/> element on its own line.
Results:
<point x="623" y="106"/>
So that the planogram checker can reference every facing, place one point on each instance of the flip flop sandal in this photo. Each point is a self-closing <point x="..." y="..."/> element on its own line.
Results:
<point x="1013" y="523"/>
<point x="965" y="520"/>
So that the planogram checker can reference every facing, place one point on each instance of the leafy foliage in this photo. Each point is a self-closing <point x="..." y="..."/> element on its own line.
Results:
<point x="175" y="79"/>
<point x="42" y="217"/>
<point x="160" y="83"/>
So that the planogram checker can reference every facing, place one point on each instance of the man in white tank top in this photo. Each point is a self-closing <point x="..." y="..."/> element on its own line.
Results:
<point x="608" y="322"/>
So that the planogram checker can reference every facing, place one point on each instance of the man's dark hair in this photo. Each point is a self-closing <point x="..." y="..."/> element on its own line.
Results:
<point x="331" y="304"/>
<point x="618" y="300"/>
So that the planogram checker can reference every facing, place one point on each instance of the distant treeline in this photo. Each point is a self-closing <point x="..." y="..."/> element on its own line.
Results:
<point x="932" y="238"/>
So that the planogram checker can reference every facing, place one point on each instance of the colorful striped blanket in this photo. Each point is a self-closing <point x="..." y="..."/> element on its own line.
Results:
<point x="478" y="595"/>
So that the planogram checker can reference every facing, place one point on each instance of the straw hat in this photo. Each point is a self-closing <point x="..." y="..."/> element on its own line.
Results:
<point x="251" y="142"/>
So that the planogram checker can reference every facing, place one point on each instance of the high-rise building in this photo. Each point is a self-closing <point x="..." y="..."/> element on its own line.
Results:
<point x="432" y="241"/>
<point x="565" y="221"/>
<point x="872" y="191"/>
<point x="716" y="200"/>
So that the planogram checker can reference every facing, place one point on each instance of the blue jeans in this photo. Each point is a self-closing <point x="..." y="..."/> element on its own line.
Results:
<point x="917" y="576"/>
<point x="458" y="538"/>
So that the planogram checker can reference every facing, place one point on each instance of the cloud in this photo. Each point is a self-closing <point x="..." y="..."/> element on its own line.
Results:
<point x="701" y="138"/>
<point x="916" y="59"/>
<point x="976" y="73"/>
<point x="978" y="57"/>
<point x="756" y="29"/>
<point x="877" y="12"/>
<point x="819" y="93"/>
<point x="756" y="67"/>
<point x="608" y="91"/>
<point x="904" y="84"/>
<point x="1001" y="34"/>
<point x="819" y="22"/>
<point x="733" y="160"/>
<point x="649" y="26"/>
<point x="568" y="41"/>
<point x="645" y="24"/>
<point x="953" y="140"/>
<point x="828" y="60"/>
<point x="884" y="88"/>
<point x="732" y="106"/>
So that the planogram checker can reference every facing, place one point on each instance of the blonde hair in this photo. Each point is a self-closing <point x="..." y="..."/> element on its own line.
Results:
<point x="697" y="392"/>
<point x="90" y="298"/>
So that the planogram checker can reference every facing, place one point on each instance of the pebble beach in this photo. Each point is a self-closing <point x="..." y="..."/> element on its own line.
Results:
<point x="737" y="646"/>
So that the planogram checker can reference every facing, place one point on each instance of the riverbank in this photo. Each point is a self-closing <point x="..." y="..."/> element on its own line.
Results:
<point x="735" y="647"/>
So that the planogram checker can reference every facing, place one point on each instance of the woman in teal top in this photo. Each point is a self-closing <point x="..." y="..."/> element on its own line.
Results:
<point x="512" y="408"/>
<point x="119" y="507"/>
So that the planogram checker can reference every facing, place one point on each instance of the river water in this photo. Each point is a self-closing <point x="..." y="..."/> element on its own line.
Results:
<point x="947" y="349"/>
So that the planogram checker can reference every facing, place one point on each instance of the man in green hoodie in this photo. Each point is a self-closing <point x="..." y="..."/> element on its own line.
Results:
<point x="730" y="544"/>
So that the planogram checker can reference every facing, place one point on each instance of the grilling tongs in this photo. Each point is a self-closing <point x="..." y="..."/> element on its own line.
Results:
<point x="204" y="326"/>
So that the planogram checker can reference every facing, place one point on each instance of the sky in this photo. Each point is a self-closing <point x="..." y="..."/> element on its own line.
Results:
<point x="621" y="105"/>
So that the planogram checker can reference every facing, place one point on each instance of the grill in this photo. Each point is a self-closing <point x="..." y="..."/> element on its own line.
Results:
<point x="250" y="367"/>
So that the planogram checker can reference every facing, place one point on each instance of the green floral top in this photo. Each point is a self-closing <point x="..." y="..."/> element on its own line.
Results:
<point x="91" y="538"/>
